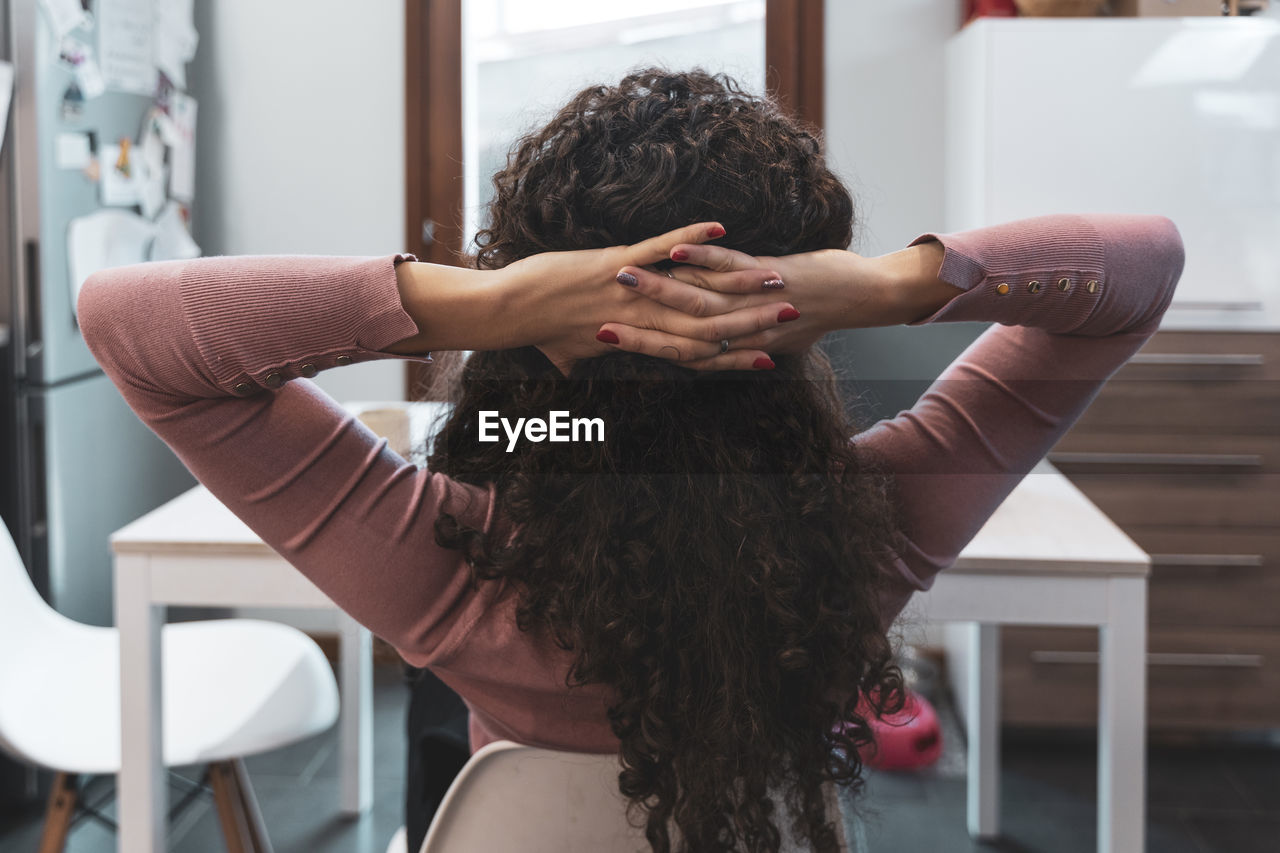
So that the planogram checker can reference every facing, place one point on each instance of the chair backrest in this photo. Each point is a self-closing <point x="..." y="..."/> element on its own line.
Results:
<point x="511" y="797"/>
<point x="23" y="613"/>
<point x="31" y="633"/>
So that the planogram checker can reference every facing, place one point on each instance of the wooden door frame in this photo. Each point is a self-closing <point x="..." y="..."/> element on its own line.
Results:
<point x="794" y="36"/>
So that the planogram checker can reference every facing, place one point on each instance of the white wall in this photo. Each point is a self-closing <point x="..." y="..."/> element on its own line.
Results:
<point x="885" y="133"/>
<point x="300" y="149"/>
<point x="885" y="110"/>
<point x="300" y="140"/>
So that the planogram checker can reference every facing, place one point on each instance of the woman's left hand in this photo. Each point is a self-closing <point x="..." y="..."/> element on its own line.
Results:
<point x="565" y="302"/>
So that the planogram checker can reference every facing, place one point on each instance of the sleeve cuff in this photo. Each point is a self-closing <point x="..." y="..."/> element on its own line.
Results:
<point x="388" y="322"/>
<point x="261" y="321"/>
<point x="1046" y="271"/>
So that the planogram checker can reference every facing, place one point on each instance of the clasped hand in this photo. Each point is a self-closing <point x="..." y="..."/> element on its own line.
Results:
<point x="718" y="309"/>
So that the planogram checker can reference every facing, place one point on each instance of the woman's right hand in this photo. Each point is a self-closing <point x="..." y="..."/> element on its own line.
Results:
<point x="831" y="288"/>
<point x="827" y="287"/>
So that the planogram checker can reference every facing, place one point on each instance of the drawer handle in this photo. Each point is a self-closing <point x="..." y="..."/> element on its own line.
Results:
<point x="1197" y="359"/>
<point x="1207" y="561"/>
<point x="1196" y="460"/>
<point x="1157" y="659"/>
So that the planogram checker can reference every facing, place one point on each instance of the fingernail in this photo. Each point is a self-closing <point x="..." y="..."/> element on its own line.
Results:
<point x="762" y="363"/>
<point x="605" y="336"/>
<point x="629" y="280"/>
<point x="786" y="315"/>
<point x="715" y="231"/>
<point x="773" y="284"/>
<point x="679" y="255"/>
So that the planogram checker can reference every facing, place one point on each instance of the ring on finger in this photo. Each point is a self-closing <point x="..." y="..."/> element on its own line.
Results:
<point x="668" y="274"/>
<point x="724" y="345"/>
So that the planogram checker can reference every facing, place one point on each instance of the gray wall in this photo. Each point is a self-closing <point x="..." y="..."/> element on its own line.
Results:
<point x="300" y="140"/>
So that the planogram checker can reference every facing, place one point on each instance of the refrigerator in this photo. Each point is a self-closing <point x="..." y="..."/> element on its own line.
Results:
<point x="77" y="463"/>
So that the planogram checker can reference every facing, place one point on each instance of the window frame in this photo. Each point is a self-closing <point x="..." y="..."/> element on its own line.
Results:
<point x="433" y="225"/>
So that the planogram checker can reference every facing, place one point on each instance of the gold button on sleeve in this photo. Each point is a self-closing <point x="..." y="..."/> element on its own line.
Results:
<point x="1033" y="287"/>
<point x="308" y="370"/>
<point x="342" y="360"/>
<point x="1092" y="286"/>
<point x="1064" y="283"/>
<point x="242" y="389"/>
<point x="1002" y="288"/>
<point x="273" y="380"/>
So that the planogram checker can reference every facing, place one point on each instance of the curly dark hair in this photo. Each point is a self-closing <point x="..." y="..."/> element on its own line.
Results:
<point x="714" y="559"/>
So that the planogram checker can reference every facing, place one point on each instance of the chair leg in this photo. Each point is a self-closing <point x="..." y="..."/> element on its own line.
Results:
<point x="249" y="804"/>
<point x="226" y="793"/>
<point x="58" y="814"/>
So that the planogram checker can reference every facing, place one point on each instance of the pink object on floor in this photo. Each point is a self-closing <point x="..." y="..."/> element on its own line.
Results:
<point x="908" y="740"/>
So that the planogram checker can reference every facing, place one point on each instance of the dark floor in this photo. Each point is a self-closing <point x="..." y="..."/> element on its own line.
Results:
<point x="1201" y="799"/>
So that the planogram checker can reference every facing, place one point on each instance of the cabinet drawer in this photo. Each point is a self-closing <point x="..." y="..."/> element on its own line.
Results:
<point x="1256" y="354"/>
<point x="1195" y="679"/>
<point x="1194" y="382"/>
<point x="1212" y="578"/>
<point x="1185" y="405"/>
<point x="1084" y="451"/>
<point x="1208" y="499"/>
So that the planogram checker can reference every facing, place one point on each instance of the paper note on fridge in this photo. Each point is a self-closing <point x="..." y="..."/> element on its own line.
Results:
<point x="174" y="39"/>
<point x="121" y="178"/>
<point x="105" y="239"/>
<point x="180" y="134"/>
<point x="72" y="150"/>
<point x="125" y="34"/>
<point x="150" y="160"/>
<point x="64" y="16"/>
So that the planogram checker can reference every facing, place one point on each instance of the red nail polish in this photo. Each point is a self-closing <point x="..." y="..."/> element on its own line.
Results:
<point x="605" y="336"/>
<point x="715" y="231"/>
<point x="786" y="315"/>
<point x="762" y="363"/>
<point x="679" y="255"/>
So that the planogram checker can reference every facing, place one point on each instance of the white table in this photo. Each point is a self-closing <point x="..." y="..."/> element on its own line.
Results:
<point x="1047" y="557"/>
<point x="194" y="551"/>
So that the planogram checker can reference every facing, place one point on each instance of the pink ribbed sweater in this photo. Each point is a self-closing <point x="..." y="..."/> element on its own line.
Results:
<point x="211" y="354"/>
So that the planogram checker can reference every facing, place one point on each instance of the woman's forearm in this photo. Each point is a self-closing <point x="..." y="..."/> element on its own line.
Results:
<point x="454" y="309"/>
<point x="908" y="287"/>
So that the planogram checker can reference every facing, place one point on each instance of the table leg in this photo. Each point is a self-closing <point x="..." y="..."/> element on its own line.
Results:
<point x="1122" y="712"/>
<point x="982" y="718"/>
<point x="356" y="716"/>
<point x="142" y="795"/>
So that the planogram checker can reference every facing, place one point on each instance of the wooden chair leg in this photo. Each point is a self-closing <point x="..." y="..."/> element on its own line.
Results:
<point x="57" y="815"/>
<point x="226" y="794"/>
<point x="249" y="804"/>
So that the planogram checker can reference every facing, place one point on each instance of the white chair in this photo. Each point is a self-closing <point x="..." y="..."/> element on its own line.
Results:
<point x="232" y="688"/>
<point x="511" y="798"/>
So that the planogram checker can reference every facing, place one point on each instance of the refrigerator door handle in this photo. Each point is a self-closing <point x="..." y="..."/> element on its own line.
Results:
<point x="33" y="346"/>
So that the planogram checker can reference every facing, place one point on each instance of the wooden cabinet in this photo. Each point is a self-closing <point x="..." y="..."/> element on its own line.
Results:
<point x="1182" y="450"/>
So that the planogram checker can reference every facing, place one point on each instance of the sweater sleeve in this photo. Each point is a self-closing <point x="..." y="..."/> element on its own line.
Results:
<point x="1073" y="297"/>
<point x="213" y="355"/>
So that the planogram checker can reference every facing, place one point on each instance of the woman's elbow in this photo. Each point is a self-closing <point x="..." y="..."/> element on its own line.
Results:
<point x="1172" y="251"/>
<point x="101" y="308"/>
